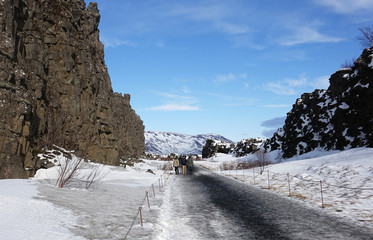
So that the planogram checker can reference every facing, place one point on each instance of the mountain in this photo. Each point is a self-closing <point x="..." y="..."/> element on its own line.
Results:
<point x="55" y="89"/>
<point x="338" y="118"/>
<point x="165" y="143"/>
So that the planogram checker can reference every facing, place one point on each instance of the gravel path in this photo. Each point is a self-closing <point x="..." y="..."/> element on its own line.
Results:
<point x="206" y="205"/>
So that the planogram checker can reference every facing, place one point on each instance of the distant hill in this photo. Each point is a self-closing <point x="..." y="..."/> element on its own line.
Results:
<point x="166" y="142"/>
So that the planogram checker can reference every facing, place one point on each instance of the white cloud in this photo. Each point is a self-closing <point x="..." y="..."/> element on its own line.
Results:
<point x="307" y="34"/>
<point x="231" y="28"/>
<point x="160" y="44"/>
<point x="287" y="55"/>
<point x="296" y="86"/>
<point x="234" y="100"/>
<point x="225" y="78"/>
<point x="320" y="82"/>
<point x="219" y="16"/>
<point x="280" y="88"/>
<point x="347" y="6"/>
<point x="276" y="106"/>
<point x="199" y="13"/>
<point x="178" y="101"/>
<point x="301" y="81"/>
<point x="174" y="107"/>
<point x="230" y="77"/>
<point x="113" y="42"/>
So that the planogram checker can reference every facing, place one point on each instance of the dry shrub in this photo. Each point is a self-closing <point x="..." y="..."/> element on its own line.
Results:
<point x="166" y="166"/>
<point x="227" y="166"/>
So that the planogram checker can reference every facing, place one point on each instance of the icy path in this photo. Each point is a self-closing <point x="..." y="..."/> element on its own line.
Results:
<point x="209" y="206"/>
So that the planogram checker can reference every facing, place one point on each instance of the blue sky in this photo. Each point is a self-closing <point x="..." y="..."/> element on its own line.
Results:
<point x="231" y="67"/>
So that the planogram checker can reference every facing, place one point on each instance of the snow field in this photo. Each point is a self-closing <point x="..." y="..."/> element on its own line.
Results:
<point x="37" y="209"/>
<point x="347" y="180"/>
<point x="23" y="217"/>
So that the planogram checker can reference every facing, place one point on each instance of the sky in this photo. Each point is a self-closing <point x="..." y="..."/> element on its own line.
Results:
<point x="230" y="67"/>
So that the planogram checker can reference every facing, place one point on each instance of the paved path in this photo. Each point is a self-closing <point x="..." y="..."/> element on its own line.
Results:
<point x="206" y="205"/>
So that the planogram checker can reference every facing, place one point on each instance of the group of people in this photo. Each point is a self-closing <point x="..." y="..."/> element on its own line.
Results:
<point x="186" y="164"/>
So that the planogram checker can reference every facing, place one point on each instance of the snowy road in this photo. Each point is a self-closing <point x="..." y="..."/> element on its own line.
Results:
<point x="206" y="205"/>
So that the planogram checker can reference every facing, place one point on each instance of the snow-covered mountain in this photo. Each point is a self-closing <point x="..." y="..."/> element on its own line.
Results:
<point x="166" y="142"/>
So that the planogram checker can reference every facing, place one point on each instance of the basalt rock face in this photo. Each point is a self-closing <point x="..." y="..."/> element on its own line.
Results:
<point x="216" y="146"/>
<point x="247" y="146"/>
<point x="338" y="118"/>
<point x="55" y="88"/>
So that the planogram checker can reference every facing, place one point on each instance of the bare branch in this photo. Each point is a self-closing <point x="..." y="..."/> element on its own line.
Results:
<point x="366" y="36"/>
<point x="348" y="64"/>
<point x="263" y="159"/>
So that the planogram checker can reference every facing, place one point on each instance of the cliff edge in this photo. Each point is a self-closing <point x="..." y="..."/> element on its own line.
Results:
<point x="55" y="88"/>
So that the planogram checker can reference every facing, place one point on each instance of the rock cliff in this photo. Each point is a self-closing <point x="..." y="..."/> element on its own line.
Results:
<point x="339" y="118"/>
<point x="247" y="146"/>
<point x="239" y="149"/>
<point x="216" y="146"/>
<point x="55" y="88"/>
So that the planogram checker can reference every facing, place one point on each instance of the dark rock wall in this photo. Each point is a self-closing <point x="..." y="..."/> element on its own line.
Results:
<point x="247" y="146"/>
<point x="55" y="88"/>
<point x="216" y="146"/>
<point x="339" y="118"/>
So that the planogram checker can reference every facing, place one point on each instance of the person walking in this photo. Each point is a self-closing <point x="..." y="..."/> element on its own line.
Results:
<point x="183" y="164"/>
<point x="176" y="166"/>
<point x="190" y="164"/>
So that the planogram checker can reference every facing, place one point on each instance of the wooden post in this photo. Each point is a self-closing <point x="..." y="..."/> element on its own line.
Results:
<point x="147" y="197"/>
<point x="153" y="190"/>
<point x="289" y="184"/>
<point x="269" y="186"/>
<point x="159" y="181"/>
<point x="322" y="197"/>
<point x="162" y="180"/>
<point x="254" y="175"/>
<point x="140" y="208"/>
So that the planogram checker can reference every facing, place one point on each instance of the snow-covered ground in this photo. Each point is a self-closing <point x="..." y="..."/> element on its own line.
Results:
<point x="36" y="209"/>
<point x="347" y="179"/>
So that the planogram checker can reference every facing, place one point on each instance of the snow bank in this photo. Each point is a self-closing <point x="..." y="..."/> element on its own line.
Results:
<point x="37" y="209"/>
<point x="24" y="217"/>
<point x="347" y="178"/>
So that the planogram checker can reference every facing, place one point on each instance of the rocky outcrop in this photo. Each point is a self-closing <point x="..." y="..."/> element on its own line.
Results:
<point x="247" y="146"/>
<point x="239" y="149"/>
<point x="55" y="88"/>
<point x="216" y="146"/>
<point x="339" y="118"/>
